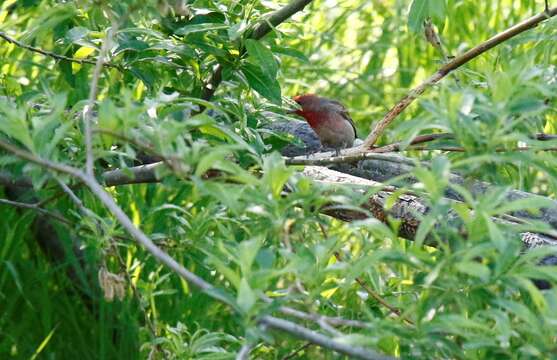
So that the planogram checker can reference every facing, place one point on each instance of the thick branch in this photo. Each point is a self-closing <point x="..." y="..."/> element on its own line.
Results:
<point x="450" y="66"/>
<point x="407" y="208"/>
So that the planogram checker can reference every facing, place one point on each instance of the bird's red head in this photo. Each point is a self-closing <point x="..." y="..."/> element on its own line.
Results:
<point x="310" y="108"/>
<point x="307" y="102"/>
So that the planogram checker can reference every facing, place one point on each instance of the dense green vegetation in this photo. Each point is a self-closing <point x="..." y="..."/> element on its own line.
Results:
<point x="472" y="296"/>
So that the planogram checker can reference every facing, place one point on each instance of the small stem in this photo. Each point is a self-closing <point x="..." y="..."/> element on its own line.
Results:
<point x="36" y="208"/>
<point x="88" y="111"/>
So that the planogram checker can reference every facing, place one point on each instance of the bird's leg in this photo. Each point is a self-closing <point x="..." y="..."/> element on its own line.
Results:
<point x="337" y="151"/>
<point x="547" y="7"/>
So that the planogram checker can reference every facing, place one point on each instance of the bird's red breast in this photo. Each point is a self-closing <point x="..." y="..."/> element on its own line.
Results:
<point x="313" y="118"/>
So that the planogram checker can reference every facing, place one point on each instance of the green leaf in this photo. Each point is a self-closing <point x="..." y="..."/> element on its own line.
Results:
<point x="473" y="268"/>
<point x="197" y="28"/>
<point x="246" y="296"/>
<point x="290" y="52"/>
<point x="267" y="87"/>
<point x="13" y="123"/>
<point x="419" y="11"/>
<point x="438" y="9"/>
<point x="276" y="173"/>
<point x="263" y="57"/>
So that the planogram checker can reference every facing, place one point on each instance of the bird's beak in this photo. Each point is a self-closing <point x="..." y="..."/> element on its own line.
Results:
<point x="292" y="107"/>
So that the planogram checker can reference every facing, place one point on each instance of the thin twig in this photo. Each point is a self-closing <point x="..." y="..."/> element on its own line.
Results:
<point x="329" y="157"/>
<point x="316" y="318"/>
<point x="461" y="149"/>
<point x="363" y="285"/>
<point x="297" y="351"/>
<point x="448" y="68"/>
<point x="420" y="139"/>
<point x="88" y="111"/>
<point x="73" y="197"/>
<point x="381" y="152"/>
<point x="321" y="340"/>
<point x="36" y="208"/>
<point x="243" y="354"/>
<point x="17" y="43"/>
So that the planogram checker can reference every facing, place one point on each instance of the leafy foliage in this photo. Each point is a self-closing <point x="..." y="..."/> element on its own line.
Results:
<point x="221" y="209"/>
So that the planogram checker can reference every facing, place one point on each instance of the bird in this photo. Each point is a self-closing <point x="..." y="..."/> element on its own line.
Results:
<point x="329" y="119"/>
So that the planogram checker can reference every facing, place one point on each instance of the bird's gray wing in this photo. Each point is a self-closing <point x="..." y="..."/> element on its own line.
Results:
<point x="344" y="113"/>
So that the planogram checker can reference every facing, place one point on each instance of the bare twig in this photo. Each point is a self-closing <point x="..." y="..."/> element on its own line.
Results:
<point x="77" y="201"/>
<point x="17" y="43"/>
<point x="358" y="153"/>
<point x="420" y="139"/>
<point x="334" y="321"/>
<point x="243" y="354"/>
<point x="461" y="149"/>
<point x="378" y="297"/>
<point x="36" y="208"/>
<point x="88" y="111"/>
<point x="260" y="30"/>
<point x="327" y="158"/>
<point x="297" y="351"/>
<point x="321" y="340"/>
<point x="448" y="68"/>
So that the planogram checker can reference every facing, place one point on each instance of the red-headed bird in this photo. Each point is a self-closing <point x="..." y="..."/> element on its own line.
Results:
<point x="329" y="119"/>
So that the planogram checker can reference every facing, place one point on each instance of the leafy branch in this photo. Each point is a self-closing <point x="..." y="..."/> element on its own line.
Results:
<point x="446" y="69"/>
<point x="260" y="30"/>
<point x="53" y="55"/>
<point x="107" y="200"/>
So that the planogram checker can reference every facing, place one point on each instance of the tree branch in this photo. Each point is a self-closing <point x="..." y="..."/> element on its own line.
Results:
<point x="123" y="219"/>
<point x="321" y="340"/>
<point x="260" y="30"/>
<point x="358" y="154"/>
<point x="448" y="68"/>
<point x="168" y="261"/>
<point x="407" y="208"/>
<point x="278" y="17"/>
